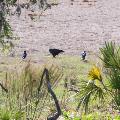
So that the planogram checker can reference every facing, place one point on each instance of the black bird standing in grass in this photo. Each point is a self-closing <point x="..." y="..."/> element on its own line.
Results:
<point x="24" y="55"/>
<point x="55" y="52"/>
<point x="83" y="55"/>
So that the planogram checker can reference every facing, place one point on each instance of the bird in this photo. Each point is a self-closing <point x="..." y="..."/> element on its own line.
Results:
<point x="83" y="55"/>
<point x="18" y="10"/>
<point x="24" y="55"/>
<point x="55" y="52"/>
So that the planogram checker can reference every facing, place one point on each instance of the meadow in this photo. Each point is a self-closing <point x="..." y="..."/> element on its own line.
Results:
<point x="70" y="80"/>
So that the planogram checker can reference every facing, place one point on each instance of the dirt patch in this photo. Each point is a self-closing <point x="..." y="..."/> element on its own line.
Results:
<point x="72" y="27"/>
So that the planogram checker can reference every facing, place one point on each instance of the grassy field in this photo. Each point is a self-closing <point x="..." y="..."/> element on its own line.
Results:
<point x="64" y="69"/>
<point x="71" y="68"/>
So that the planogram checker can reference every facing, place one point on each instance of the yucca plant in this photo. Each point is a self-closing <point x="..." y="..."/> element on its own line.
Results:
<point x="111" y="56"/>
<point x="111" y="61"/>
<point x="95" y="88"/>
<point x="91" y="90"/>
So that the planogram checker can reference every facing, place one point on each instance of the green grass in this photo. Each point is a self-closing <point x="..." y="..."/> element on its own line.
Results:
<point x="72" y="68"/>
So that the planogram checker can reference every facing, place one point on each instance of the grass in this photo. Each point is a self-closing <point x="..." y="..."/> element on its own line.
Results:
<point x="69" y="65"/>
<point x="73" y="71"/>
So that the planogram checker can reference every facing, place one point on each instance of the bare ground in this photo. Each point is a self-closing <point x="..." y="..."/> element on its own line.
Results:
<point x="73" y="28"/>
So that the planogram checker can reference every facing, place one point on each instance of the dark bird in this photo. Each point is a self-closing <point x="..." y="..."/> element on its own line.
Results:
<point x="18" y="10"/>
<point x="55" y="52"/>
<point x="24" y="55"/>
<point x="83" y="55"/>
